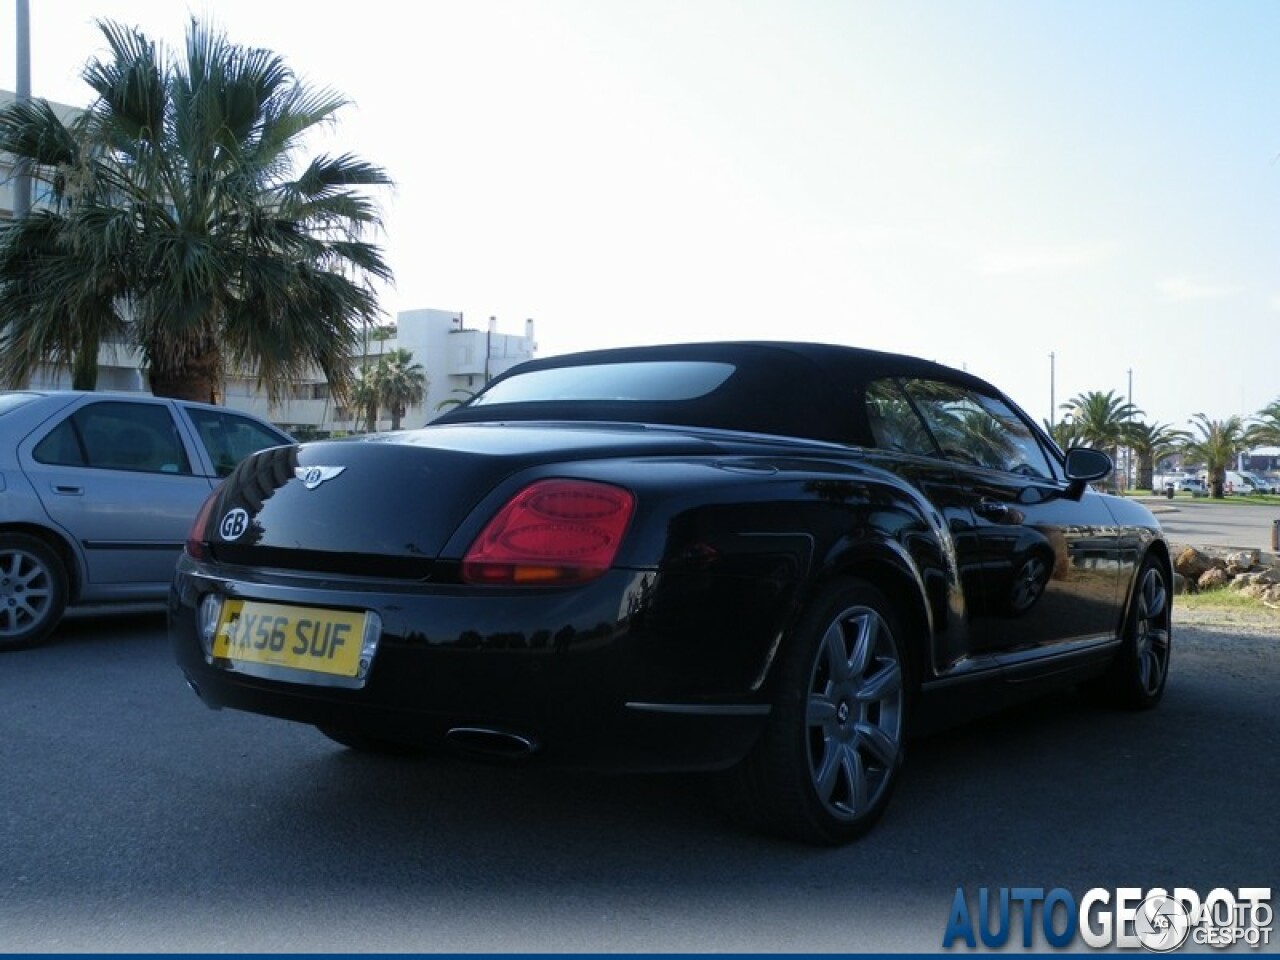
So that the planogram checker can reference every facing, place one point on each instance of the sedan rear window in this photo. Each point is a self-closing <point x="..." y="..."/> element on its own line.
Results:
<point x="653" y="380"/>
<point x="116" y="436"/>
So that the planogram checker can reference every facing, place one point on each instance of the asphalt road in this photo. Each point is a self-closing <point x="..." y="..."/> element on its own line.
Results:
<point x="134" y="819"/>
<point x="1204" y="522"/>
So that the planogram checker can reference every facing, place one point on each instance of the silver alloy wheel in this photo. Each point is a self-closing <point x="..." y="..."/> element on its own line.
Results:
<point x="1151" y="631"/>
<point x="27" y="592"/>
<point x="854" y="716"/>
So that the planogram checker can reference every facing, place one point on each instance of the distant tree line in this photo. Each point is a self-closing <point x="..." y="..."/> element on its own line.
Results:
<point x="1106" y="421"/>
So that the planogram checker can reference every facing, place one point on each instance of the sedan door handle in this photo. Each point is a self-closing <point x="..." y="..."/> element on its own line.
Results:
<point x="991" y="510"/>
<point x="67" y="490"/>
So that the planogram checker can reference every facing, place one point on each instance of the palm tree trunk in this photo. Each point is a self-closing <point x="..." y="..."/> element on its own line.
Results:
<point x="84" y="365"/>
<point x="1146" y="470"/>
<point x="197" y="380"/>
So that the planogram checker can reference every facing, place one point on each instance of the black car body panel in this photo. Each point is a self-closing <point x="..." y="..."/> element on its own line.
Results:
<point x="745" y="512"/>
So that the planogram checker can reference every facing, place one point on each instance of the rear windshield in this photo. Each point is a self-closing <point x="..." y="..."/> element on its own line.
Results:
<point x="743" y="387"/>
<point x="652" y="381"/>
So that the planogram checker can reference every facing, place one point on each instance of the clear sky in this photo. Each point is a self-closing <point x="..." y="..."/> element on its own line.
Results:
<point x="980" y="183"/>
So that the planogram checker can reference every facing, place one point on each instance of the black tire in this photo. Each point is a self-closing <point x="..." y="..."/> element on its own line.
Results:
<point x="829" y="758"/>
<point x="33" y="590"/>
<point x="1137" y="677"/>
<point x="364" y="743"/>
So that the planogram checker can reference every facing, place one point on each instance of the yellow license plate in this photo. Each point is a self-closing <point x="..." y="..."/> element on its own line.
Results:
<point x="300" y="638"/>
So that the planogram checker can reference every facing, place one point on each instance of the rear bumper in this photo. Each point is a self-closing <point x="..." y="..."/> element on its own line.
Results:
<point x="634" y="671"/>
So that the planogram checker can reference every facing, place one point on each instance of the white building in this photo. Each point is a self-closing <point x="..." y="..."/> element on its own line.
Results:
<point x="456" y="359"/>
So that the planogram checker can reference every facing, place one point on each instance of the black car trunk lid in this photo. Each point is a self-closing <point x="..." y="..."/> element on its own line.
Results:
<point x="385" y="506"/>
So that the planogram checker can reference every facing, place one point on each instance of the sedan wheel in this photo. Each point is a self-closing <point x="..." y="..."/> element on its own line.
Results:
<point x="829" y="759"/>
<point x="33" y="591"/>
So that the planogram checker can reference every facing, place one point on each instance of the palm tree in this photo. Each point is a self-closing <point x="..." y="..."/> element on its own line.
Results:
<point x="1216" y="446"/>
<point x="467" y="395"/>
<point x="1152" y="442"/>
<point x="58" y="301"/>
<point x="1102" y="420"/>
<point x="54" y="306"/>
<point x="1064" y="432"/>
<point x="1264" y="431"/>
<point x="364" y="398"/>
<point x="180" y="184"/>
<point x="399" y="383"/>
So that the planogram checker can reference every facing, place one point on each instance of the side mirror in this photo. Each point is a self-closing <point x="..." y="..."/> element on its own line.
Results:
<point x="1084" y="466"/>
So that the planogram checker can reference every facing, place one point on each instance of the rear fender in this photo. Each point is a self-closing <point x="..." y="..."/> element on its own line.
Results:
<point x="888" y="567"/>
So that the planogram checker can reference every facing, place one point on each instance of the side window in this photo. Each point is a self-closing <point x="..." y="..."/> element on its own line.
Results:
<point x="61" y="447"/>
<point x="894" y="424"/>
<point x="978" y="429"/>
<point x="230" y="438"/>
<point x="115" y="435"/>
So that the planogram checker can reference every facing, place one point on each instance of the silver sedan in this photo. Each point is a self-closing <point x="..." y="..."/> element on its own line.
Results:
<point x="97" y="492"/>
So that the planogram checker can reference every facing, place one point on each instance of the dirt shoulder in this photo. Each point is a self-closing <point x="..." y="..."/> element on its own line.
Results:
<point x="1256" y="620"/>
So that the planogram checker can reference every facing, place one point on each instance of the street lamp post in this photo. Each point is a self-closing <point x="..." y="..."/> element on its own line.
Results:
<point x="1128" y="449"/>
<point x="21" y="174"/>
<point x="1053" y="417"/>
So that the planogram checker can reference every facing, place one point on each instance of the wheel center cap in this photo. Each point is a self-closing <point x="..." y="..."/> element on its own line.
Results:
<point x="842" y="712"/>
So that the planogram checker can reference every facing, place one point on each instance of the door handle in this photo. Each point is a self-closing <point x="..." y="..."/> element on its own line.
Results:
<point x="68" y="490"/>
<point x="992" y="510"/>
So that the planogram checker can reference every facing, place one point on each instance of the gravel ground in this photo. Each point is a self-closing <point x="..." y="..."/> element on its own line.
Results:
<point x="1256" y="620"/>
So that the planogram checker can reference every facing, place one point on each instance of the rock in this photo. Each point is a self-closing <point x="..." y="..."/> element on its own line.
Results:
<point x="1245" y="559"/>
<point x="1264" y="577"/>
<point x="1213" y="578"/>
<point x="1192" y="564"/>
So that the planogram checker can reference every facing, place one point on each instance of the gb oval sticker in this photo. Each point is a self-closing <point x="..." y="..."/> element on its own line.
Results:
<point x="234" y="524"/>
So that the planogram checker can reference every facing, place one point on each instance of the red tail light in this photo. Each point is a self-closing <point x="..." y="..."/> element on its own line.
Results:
<point x="551" y="532"/>
<point x="197" y="546"/>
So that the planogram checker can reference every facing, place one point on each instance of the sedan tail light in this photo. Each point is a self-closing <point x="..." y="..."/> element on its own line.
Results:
<point x="197" y="546"/>
<point x="551" y="532"/>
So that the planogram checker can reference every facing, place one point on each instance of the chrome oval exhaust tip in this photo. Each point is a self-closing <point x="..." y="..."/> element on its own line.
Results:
<point x="492" y="742"/>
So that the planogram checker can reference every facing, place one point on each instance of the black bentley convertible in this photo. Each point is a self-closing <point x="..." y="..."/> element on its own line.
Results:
<point x="769" y="560"/>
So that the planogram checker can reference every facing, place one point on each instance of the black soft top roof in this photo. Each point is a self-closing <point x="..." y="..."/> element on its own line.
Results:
<point x="809" y="390"/>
